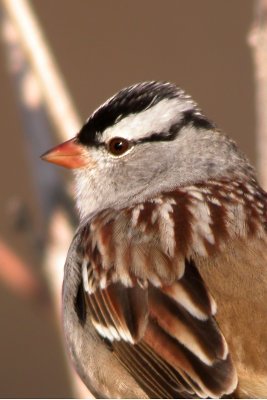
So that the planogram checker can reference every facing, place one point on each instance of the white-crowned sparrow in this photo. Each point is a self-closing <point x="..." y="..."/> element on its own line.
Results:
<point x="165" y="286"/>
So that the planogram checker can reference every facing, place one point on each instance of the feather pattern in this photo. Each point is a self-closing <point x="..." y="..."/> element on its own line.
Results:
<point x="146" y="295"/>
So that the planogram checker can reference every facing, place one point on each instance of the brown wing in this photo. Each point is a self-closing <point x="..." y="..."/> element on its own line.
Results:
<point x="147" y="297"/>
<point x="166" y="337"/>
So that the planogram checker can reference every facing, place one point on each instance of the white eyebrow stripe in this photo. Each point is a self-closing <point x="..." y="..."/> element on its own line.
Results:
<point x="158" y="118"/>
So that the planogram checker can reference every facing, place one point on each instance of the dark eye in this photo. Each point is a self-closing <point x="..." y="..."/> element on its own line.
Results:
<point x="117" y="146"/>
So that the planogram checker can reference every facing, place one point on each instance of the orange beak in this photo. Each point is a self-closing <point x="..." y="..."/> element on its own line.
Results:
<point x="69" y="154"/>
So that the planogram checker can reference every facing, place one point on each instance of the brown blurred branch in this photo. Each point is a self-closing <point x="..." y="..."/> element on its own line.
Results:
<point x="258" y="43"/>
<point x="17" y="275"/>
<point x="40" y="91"/>
<point x="57" y="99"/>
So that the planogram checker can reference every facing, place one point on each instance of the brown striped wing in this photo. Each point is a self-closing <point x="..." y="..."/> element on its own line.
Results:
<point x="146" y="295"/>
<point x="166" y="337"/>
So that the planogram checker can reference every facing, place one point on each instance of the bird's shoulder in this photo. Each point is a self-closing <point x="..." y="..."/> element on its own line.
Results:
<point x="198" y="220"/>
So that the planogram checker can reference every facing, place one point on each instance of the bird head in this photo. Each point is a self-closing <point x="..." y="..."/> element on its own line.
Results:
<point x="148" y="138"/>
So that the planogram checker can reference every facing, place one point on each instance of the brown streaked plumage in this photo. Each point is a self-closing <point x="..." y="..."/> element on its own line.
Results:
<point x="161" y="284"/>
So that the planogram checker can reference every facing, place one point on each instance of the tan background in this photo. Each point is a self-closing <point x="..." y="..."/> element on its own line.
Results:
<point x="100" y="47"/>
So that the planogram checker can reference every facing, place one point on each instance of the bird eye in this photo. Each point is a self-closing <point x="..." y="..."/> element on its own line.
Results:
<point x="118" y="146"/>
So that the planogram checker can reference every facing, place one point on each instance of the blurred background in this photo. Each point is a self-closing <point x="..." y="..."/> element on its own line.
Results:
<point x="100" y="47"/>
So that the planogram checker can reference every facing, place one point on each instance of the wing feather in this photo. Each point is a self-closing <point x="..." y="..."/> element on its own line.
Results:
<point x="147" y="297"/>
<point x="170" y="350"/>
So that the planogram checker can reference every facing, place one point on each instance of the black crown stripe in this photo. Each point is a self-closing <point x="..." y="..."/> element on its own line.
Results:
<point x="135" y="99"/>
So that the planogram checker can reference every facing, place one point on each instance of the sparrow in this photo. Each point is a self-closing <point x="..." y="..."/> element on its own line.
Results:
<point x="165" y="282"/>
